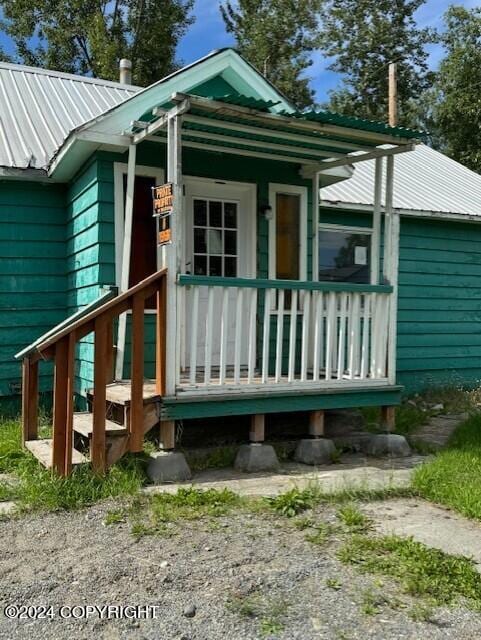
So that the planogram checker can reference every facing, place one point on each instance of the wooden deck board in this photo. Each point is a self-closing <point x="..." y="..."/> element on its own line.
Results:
<point x="43" y="449"/>
<point x="120" y="392"/>
<point x="83" y="424"/>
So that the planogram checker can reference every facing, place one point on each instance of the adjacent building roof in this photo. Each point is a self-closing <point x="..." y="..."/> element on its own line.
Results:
<point x="38" y="109"/>
<point x="424" y="181"/>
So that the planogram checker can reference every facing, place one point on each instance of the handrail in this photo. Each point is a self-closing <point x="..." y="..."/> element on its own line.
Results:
<point x="262" y="283"/>
<point x="81" y="313"/>
<point x="59" y="344"/>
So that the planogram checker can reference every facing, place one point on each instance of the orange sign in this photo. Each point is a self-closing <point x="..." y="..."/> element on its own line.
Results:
<point x="163" y="196"/>
<point x="164" y="236"/>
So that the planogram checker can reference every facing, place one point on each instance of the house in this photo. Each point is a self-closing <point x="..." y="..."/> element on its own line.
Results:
<point x="212" y="307"/>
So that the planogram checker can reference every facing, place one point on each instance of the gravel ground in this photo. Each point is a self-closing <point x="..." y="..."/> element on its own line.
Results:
<point x="74" y="559"/>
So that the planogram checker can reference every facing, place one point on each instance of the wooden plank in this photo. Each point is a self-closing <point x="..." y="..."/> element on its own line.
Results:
<point x="70" y="403"/>
<point x="60" y="406"/>
<point x="83" y="425"/>
<point x="98" y="450"/>
<point x="388" y="418"/>
<point x="43" y="451"/>
<point x="316" y="423"/>
<point x="167" y="434"/>
<point x="110" y="351"/>
<point x="257" y="429"/>
<point x="161" y="337"/>
<point x="137" y="376"/>
<point x="29" y="400"/>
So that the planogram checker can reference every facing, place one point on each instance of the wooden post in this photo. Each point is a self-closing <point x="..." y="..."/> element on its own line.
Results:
<point x="29" y="400"/>
<point x="110" y="351"/>
<point x="98" y="451"/>
<point x="257" y="430"/>
<point x="316" y="424"/>
<point x="137" y="376"/>
<point x="160" y="338"/>
<point x="376" y="222"/>
<point x="388" y="419"/>
<point x="393" y="94"/>
<point x="167" y="434"/>
<point x="70" y="403"/>
<point x="60" y="402"/>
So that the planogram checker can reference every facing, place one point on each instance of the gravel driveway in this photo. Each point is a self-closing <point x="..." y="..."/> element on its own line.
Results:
<point x="238" y="577"/>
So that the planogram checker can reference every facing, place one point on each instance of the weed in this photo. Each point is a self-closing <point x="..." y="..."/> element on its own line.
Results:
<point x="322" y="532"/>
<point x="270" y="626"/>
<point x="293" y="501"/>
<point x="333" y="583"/>
<point x="218" y="458"/>
<point x="303" y="523"/>
<point x="353" y="518"/>
<point x="115" y="516"/>
<point x="269" y="611"/>
<point x="371" y="603"/>
<point x="421" y="612"/>
<point x="422" y="571"/>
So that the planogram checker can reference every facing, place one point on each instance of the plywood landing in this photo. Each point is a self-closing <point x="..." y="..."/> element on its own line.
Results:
<point x="120" y="392"/>
<point x="43" y="451"/>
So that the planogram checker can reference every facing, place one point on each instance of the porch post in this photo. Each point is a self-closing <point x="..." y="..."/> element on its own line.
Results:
<point x="124" y="278"/>
<point x="391" y="269"/>
<point x="376" y="223"/>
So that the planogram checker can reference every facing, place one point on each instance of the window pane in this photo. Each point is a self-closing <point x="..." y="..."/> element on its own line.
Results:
<point x="200" y="241"/>
<point x="215" y="241"/>
<point x="200" y="213"/>
<point x="230" y="242"/>
<point x="344" y="256"/>
<point x="215" y="214"/>
<point x="230" y="215"/>
<point x="287" y="236"/>
<point x="200" y="265"/>
<point x="230" y="267"/>
<point x="215" y="266"/>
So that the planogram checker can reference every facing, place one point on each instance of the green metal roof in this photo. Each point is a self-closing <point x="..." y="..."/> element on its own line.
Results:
<point x="324" y="117"/>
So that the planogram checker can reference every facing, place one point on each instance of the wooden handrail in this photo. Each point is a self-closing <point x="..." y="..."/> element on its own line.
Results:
<point x="59" y="345"/>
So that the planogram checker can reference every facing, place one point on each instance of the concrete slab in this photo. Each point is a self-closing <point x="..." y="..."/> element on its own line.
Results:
<point x="315" y="451"/>
<point x="7" y="508"/>
<point x="427" y="523"/>
<point x="256" y="457"/>
<point x="168" y="466"/>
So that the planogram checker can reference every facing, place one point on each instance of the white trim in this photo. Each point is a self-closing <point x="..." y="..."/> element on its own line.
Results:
<point x="289" y="189"/>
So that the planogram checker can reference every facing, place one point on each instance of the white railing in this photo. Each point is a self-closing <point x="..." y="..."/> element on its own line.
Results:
<point x="243" y="333"/>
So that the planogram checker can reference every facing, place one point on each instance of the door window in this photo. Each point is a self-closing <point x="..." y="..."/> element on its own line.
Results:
<point x="215" y="232"/>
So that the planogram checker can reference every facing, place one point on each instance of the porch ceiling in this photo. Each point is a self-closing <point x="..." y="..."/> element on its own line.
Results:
<point x="241" y="125"/>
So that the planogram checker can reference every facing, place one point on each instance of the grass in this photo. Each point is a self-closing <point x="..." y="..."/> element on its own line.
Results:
<point x="353" y="518"/>
<point x="421" y="571"/>
<point x="452" y="478"/>
<point x="268" y="611"/>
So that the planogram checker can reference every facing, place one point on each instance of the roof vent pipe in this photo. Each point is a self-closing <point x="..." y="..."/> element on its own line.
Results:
<point x="125" y="69"/>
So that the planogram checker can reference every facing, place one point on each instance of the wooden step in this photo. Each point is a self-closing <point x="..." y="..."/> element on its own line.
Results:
<point x="43" y="451"/>
<point x="120" y="392"/>
<point x="83" y="424"/>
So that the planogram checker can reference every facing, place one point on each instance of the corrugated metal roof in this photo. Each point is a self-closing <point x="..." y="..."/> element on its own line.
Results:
<point x="38" y="109"/>
<point x="424" y="180"/>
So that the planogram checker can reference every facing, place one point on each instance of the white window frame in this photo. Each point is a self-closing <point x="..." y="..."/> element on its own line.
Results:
<point x="327" y="226"/>
<point x="120" y="170"/>
<point x="288" y="189"/>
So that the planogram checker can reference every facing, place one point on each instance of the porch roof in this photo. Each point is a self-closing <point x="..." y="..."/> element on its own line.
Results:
<point x="248" y="126"/>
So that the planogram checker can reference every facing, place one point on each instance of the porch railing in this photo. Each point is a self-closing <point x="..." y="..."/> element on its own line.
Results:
<point x="248" y="333"/>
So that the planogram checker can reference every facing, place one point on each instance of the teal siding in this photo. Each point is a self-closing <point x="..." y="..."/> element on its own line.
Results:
<point x="32" y="272"/>
<point x="439" y="310"/>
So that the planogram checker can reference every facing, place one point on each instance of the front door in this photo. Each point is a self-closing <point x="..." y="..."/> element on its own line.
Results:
<point x="220" y="241"/>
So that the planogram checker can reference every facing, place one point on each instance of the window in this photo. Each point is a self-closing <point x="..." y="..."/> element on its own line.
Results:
<point x="215" y="237"/>
<point x="288" y="250"/>
<point x="344" y="255"/>
<point x="143" y="252"/>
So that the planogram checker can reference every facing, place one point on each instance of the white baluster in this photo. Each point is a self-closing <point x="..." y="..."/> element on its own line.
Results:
<point x="317" y="304"/>
<point x="193" y="334"/>
<point x="365" y="336"/>
<point x="342" y="336"/>
<point x="354" y="334"/>
<point x="224" y="330"/>
<point x="331" y="331"/>
<point x="208" y="335"/>
<point x="239" y="324"/>
<point x="305" y="334"/>
<point x="266" y="335"/>
<point x="292" y="336"/>
<point x="252" y="335"/>
<point x="280" y="334"/>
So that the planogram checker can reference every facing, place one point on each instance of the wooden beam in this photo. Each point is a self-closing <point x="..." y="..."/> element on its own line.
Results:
<point x="316" y="424"/>
<point x="167" y="434"/>
<point x="137" y="376"/>
<point x="60" y="406"/>
<point x="160" y="338"/>
<point x="361" y="157"/>
<point x="388" y="418"/>
<point x="70" y="403"/>
<point x="110" y="350"/>
<point x="98" y="450"/>
<point x="393" y="94"/>
<point x="29" y="400"/>
<point x="257" y="429"/>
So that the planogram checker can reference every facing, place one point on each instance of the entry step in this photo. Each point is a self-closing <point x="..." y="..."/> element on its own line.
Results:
<point x="43" y="451"/>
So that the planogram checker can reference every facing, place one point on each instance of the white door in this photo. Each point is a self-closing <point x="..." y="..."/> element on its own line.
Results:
<point x="219" y="241"/>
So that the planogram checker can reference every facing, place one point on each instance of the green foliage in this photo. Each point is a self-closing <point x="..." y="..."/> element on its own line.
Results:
<point x="459" y="86"/>
<point x="293" y="501"/>
<point x="217" y="458"/>
<point x="276" y="36"/>
<point x="362" y="37"/>
<point x="269" y="611"/>
<point x="453" y="477"/>
<point x="87" y="37"/>
<point x="320" y="535"/>
<point x="353" y="518"/>
<point x="422" y="572"/>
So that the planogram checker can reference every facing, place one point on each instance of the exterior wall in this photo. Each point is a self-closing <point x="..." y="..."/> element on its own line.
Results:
<point x="33" y="277"/>
<point x="439" y="315"/>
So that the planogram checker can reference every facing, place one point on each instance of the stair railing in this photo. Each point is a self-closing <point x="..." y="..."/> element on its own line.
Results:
<point x="59" y="345"/>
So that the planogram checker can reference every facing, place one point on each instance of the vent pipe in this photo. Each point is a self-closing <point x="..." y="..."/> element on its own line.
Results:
<point x="125" y="69"/>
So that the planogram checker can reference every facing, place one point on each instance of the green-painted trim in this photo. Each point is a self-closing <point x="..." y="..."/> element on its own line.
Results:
<point x="252" y="283"/>
<point x="248" y="404"/>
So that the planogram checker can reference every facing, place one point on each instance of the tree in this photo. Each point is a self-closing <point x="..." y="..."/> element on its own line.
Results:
<point x="276" y="36"/>
<point x="362" y="37"/>
<point x="90" y="37"/>
<point x="458" y="111"/>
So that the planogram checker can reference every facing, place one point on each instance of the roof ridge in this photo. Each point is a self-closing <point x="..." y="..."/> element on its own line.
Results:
<point x="22" y="68"/>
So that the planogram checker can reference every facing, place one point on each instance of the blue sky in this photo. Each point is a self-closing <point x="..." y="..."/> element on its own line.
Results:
<point x="209" y="33"/>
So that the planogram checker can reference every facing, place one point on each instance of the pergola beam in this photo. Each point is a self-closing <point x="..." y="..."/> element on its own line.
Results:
<point x="361" y="157"/>
<point x="161" y="121"/>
